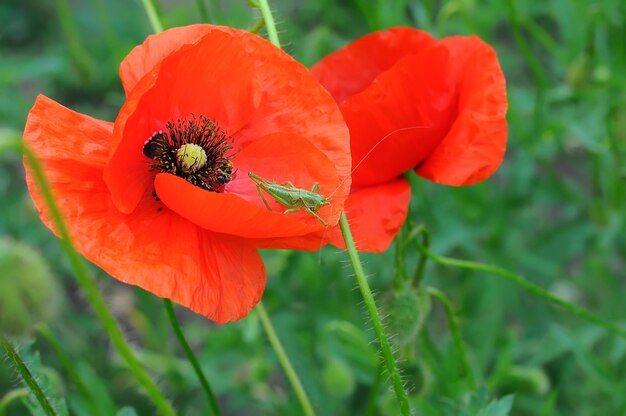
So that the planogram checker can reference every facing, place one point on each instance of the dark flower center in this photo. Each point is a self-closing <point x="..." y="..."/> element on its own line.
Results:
<point x="194" y="149"/>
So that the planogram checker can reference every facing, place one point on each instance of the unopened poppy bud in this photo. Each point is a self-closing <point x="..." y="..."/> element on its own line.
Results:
<point x="407" y="309"/>
<point x="28" y="293"/>
<point x="338" y="378"/>
<point x="529" y="380"/>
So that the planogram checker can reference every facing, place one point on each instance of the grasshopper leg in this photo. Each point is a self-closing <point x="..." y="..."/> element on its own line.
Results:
<point x="259" y="188"/>
<point x="316" y="187"/>
<point x="310" y="211"/>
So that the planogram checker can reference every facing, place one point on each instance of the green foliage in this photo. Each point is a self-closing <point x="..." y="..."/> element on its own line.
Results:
<point x="554" y="213"/>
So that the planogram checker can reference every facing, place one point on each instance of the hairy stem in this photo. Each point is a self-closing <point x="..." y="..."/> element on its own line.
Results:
<point x="27" y="376"/>
<point x="366" y="292"/>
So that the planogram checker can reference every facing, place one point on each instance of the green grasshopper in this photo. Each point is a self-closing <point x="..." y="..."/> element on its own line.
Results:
<point x="292" y="198"/>
<point x="295" y="199"/>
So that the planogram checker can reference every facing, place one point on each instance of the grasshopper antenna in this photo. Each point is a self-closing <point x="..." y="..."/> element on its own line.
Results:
<point x="370" y="152"/>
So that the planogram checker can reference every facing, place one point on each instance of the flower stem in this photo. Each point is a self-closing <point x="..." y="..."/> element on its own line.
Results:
<point x="204" y="13"/>
<point x="531" y="287"/>
<point x="65" y="361"/>
<point x="307" y="408"/>
<point x="374" y="316"/>
<point x="91" y="291"/>
<point x="153" y="16"/>
<point x="270" y="25"/>
<point x="456" y="334"/>
<point x="27" y="376"/>
<point x="9" y="397"/>
<point x="191" y="356"/>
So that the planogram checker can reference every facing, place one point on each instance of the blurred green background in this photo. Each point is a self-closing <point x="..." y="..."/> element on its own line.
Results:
<point x="554" y="213"/>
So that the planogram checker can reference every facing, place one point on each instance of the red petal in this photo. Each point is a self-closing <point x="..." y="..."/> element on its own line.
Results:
<point x="409" y="107"/>
<point x="143" y="58"/>
<point x="218" y="276"/>
<point x="240" y="210"/>
<point x="375" y="215"/>
<point x="474" y="146"/>
<point x="214" y="78"/>
<point x="354" y="67"/>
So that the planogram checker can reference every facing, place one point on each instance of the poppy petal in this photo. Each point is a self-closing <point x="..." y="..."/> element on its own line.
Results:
<point x="351" y="69"/>
<point x="239" y="210"/>
<point x="294" y="102"/>
<point x="474" y="146"/>
<point x="177" y="89"/>
<point x="397" y="121"/>
<point x="221" y="277"/>
<point x="143" y="58"/>
<point x="375" y="215"/>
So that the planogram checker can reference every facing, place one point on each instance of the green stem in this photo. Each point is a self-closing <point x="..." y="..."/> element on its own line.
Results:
<point x="531" y="287"/>
<point x="191" y="356"/>
<point x="456" y="334"/>
<point x="307" y="408"/>
<point x="421" y="264"/>
<point x="91" y="290"/>
<point x="9" y="397"/>
<point x="66" y="361"/>
<point x="257" y="26"/>
<point x="153" y="16"/>
<point x="374" y="316"/>
<point x="270" y="25"/>
<point x="204" y="13"/>
<point x="371" y="400"/>
<point x="109" y="33"/>
<point x="27" y="376"/>
<point x="541" y="80"/>
<point x="79" y="53"/>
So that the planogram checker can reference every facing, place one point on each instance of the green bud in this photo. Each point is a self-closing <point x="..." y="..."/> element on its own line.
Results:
<point x="338" y="378"/>
<point x="28" y="293"/>
<point x="406" y="310"/>
<point x="529" y="380"/>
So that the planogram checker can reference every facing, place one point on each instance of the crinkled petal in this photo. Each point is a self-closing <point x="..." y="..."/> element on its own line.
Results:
<point x="398" y="120"/>
<point x="240" y="210"/>
<point x="375" y="215"/>
<point x="475" y="144"/>
<point x="143" y="58"/>
<point x="214" y="77"/>
<point x="353" y="68"/>
<point x="221" y="277"/>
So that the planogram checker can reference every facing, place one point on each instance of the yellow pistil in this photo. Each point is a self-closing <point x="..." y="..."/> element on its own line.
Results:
<point x="191" y="158"/>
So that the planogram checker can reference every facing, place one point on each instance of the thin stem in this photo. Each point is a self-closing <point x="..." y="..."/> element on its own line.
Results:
<point x="76" y="48"/>
<point x="532" y="288"/>
<point x="9" y="397"/>
<point x="191" y="356"/>
<point x="456" y="334"/>
<point x="27" y="376"/>
<point x="204" y="13"/>
<point x="370" y="410"/>
<point x="153" y="16"/>
<point x="91" y="290"/>
<point x="257" y="26"/>
<point x="366" y="292"/>
<point x="65" y="361"/>
<point x="307" y="408"/>
<point x="270" y="25"/>
<point x="421" y="264"/>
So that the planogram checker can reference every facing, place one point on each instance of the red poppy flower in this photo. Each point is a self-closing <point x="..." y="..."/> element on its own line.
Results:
<point x="161" y="198"/>
<point x="440" y="107"/>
